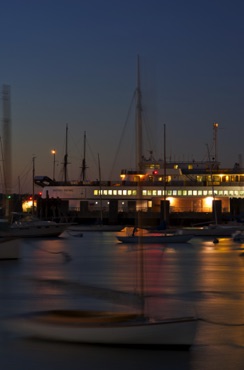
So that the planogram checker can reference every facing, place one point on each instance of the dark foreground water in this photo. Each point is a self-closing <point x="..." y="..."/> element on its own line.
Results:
<point x="199" y="276"/>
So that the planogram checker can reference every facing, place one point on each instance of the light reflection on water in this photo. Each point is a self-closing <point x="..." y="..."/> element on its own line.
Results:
<point x="200" y="276"/>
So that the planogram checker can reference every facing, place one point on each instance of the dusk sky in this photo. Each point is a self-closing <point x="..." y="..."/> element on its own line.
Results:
<point x="74" y="62"/>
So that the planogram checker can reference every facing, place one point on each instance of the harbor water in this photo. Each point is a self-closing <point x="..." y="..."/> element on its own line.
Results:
<point x="200" y="277"/>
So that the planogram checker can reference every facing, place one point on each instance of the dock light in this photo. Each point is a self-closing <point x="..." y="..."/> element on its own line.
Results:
<point x="53" y="151"/>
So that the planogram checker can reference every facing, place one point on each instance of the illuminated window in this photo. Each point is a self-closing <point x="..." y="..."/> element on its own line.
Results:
<point x="96" y="192"/>
<point x="199" y="192"/>
<point x="205" y="192"/>
<point x="144" y="193"/>
<point x="154" y="193"/>
<point x="124" y="192"/>
<point x="190" y="166"/>
<point x="134" y="192"/>
<point x="195" y="192"/>
<point x="226" y="192"/>
<point x="110" y="192"/>
<point x="105" y="192"/>
<point x="175" y="192"/>
<point x="129" y="192"/>
<point x="189" y="192"/>
<point x="176" y="166"/>
<point x="119" y="192"/>
<point x="179" y="192"/>
<point x="159" y="192"/>
<point x="184" y="192"/>
<point x="114" y="192"/>
<point x="149" y="192"/>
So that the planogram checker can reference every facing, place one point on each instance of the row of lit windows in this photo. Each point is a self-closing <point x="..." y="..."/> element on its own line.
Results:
<point x="160" y="193"/>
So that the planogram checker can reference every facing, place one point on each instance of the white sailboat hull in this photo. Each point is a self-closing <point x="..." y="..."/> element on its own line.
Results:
<point x="9" y="248"/>
<point x="179" y="332"/>
<point x="37" y="230"/>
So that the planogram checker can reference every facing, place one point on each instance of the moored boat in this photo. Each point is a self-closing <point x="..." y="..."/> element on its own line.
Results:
<point x="107" y="328"/>
<point x="26" y="225"/>
<point x="152" y="238"/>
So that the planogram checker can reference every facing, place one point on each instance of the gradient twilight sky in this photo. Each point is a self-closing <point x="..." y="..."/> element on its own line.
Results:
<point x="74" y="62"/>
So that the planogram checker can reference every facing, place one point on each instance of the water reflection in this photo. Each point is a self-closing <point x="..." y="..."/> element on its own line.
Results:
<point x="201" y="276"/>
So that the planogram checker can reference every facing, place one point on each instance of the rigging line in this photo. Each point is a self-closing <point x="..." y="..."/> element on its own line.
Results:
<point x="66" y="255"/>
<point x="123" y="134"/>
<point x="94" y="160"/>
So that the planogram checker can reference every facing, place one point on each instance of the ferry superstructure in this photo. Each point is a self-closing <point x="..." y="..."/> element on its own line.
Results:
<point x="188" y="187"/>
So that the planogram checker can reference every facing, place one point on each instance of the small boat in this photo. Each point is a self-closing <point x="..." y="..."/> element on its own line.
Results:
<point x="151" y="238"/>
<point x="25" y="225"/>
<point x="9" y="248"/>
<point x="107" y="328"/>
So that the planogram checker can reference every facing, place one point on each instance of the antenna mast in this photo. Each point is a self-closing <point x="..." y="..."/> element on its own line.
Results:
<point x="138" y="120"/>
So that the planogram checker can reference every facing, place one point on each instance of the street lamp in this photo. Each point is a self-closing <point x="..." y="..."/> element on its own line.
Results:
<point x="53" y="151"/>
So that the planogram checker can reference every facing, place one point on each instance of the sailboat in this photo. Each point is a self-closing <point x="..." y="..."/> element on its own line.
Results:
<point x="110" y="328"/>
<point x="153" y="238"/>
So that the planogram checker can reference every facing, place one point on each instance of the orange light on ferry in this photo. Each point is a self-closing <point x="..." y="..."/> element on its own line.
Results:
<point x="208" y="202"/>
<point x="171" y="200"/>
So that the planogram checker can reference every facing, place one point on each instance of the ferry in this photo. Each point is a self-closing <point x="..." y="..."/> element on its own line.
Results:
<point x="187" y="187"/>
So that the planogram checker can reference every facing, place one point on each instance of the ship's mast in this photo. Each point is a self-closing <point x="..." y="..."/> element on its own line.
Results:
<point x="138" y="120"/>
<point x="66" y="156"/>
<point x="83" y="168"/>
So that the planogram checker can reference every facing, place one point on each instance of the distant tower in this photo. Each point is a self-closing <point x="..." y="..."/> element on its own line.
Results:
<point x="7" y="147"/>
